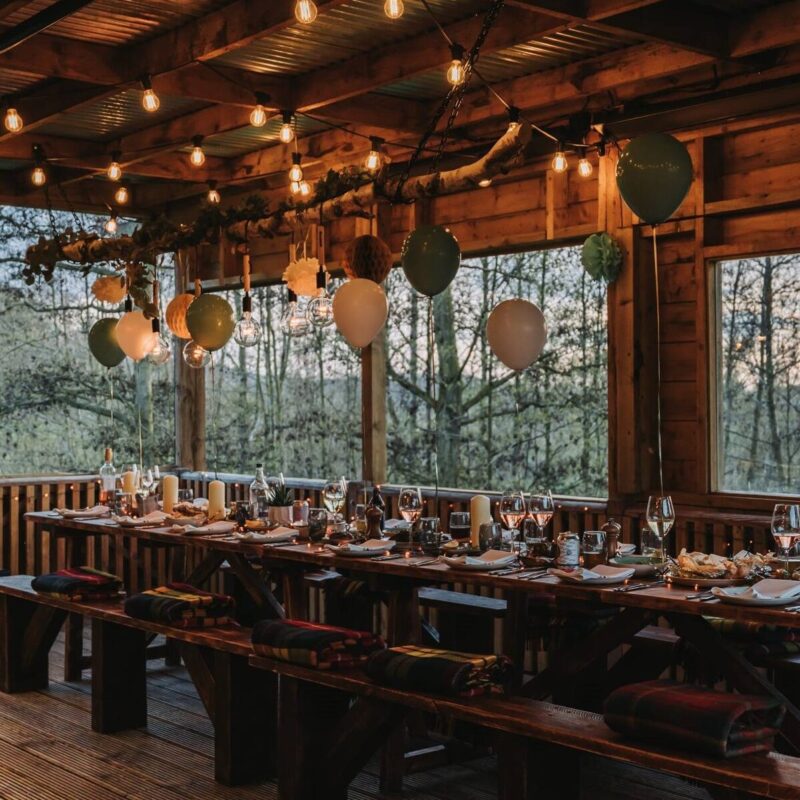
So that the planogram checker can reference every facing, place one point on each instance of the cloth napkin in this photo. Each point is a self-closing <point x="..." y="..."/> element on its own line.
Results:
<point x="396" y="525"/>
<point x="768" y="589"/>
<point x="78" y="583"/>
<point x="370" y="546"/>
<point x="153" y="518"/>
<point x="223" y="526"/>
<point x="695" y="719"/>
<point x="314" y="645"/>
<point x="587" y="575"/>
<point x="84" y="513"/>
<point x="429" y="669"/>
<point x="498" y="558"/>
<point x="181" y="605"/>
<point x="280" y="534"/>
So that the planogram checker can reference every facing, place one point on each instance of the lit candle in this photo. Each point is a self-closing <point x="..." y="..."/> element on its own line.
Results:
<point x="169" y="487"/>
<point x="129" y="482"/>
<point x="480" y="512"/>
<point x="216" y="499"/>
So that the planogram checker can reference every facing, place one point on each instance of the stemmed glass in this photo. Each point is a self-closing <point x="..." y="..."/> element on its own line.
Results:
<point x="786" y="528"/>
<point x="512" y="512"/>
<point x="333" y="496"/>
<point x="660" y="517"/>
<point x="148" y="482"/>
<point x="409" y="504"/>
<point x="541" y="509"/>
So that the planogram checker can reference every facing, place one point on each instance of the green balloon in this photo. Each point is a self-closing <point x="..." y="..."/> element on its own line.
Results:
<point x="103" y="343"/>
<point x="210" y="321"/>
<point x="430" y="258"/>
<point x="654" y="173"/>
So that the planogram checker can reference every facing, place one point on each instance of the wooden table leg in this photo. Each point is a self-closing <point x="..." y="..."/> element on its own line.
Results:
<point x="295" y="593"/>
<point x="73" y="630"/>
<point x="255" y="586"/>
<point x="515" y="624"/>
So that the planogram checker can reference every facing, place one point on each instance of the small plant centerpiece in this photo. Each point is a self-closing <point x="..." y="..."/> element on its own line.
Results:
<point x="280" y="505"/>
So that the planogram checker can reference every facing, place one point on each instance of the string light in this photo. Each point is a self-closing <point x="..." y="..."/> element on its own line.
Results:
<point x="111" y="224"/>
<point x="394" y="9"/>
<point x="585" y="168"/>
<point x="114" y="170"/>
<point x="195" y="356"/>
<point x="559" y="163"/>
<point x="305" y="11"/>
<point x="374" y="160"/>
<point x="485" y="183"/>
<point x="247" y="332"/>
<point x="213" y="195"/>
<point x="320" y="310"/>
<point x="150" y="101"/>
<point x="296" y="171"/>
<point x="286" y="133"/>
<point x="38" y="176"/>
<point x="293" y="321"/>
<point x="162" y="350"/>
<point x="122" y="195"/>
<point x="455" y="72"/>
<point x="258" y="116"/>
<point x="13" y="121"/>
<point x="294" y="187"/>
<point x="197" y="157"/>
<point x="304" y="189"/>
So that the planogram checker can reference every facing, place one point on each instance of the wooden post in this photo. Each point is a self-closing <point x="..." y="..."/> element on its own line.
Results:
<point x="190" y="400"/>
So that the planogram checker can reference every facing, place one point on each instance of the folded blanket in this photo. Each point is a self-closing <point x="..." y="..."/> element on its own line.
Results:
<point x="182" y="605"/>
<point x="693" y="718"/>
<point x="440" y="671"/>
<point x="752" y="632"/>
<point x="314" y="645"/>
<point x="78" y="583"/>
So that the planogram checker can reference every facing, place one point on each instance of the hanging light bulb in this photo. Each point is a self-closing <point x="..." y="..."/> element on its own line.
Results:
<point x="484" y="183"/>
<point x="293" y="321"/>
<point x="456" y="72"/>
<point x="111" y="224"/>
<point x="122" y="195"/>
<point x="195" y="356"/>
<point x="559" y="163"/>
<point x="150" y="101"/>
<point x="374" y="160"/>
<point x="213" y="195"/>
<point x="394" y="8"/>
<point x="114" y="170"/>
<point x="162" y="350"/>
<point x="294" y="187"/>
<point x="258" y="116"/>
<point x="197" y="157"/>
<point x="305" y="11"/>
<point x="286" y="133"/>
<point x="320" y="310"/>
<point x="304" y="189"/>
<point x="296" y="171"/>
<point x="247" y="332"/>
<point x="38" y="176"/>
<point x="13" y="121"/>
<point x="585" y="168"/>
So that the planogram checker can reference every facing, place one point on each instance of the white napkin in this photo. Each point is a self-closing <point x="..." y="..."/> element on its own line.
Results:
<point x="153" y="518"/>
<point x="396" y="524"/>
<point x="599" y="572"/>
<point x="626" y="548"/>
<point x="499" y="558"/>
<point x="365" y="547"/>
<point x="280" y="534"/>
<point x="84" y="513"/>
<point x="223" y="526"/>
<point x="768" y="589"/>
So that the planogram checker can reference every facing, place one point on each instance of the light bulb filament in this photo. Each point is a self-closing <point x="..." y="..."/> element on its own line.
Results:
<point x="13" y="121"/>
<point x="305" y="11"/>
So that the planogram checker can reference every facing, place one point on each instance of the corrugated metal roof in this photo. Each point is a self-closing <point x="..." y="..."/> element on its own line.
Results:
<point x="348" y="29"/>
<point x="246" y="140"/>
<point x="13" y="81"/>
<point x="119" y="21"/>
<point x="116" y="116"/>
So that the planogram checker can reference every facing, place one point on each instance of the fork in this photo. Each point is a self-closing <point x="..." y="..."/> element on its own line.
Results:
<point x="700" y="596"/>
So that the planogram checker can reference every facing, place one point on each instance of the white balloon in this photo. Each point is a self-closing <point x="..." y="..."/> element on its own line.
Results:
<point x="360" y="309"/>
<point x="517" y="333"/>
<point x="135" y="335"/>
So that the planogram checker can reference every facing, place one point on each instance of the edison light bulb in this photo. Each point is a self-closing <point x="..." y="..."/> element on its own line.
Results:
<point x="122" y="195"/>
<point x="320" y="310"/>
<point x="394" y="8"/>
<point x="114" y="171"/>
<point x="111" y="224"/>
<point x="294" y="322"/>
<point x="150" y="101"/>
<point x="294" y="187"/>
<point x="286" y="133"/>
<point x="374" y="160"/>
<point x="161" y="352"/>
<point x="455" y="72"/>
<point x="13" y="121"/>
<point x="258" y="116"/>
<point x="213" y="195"/>
<point x="247" y="332"/>
<point x="585" y="168"/>
<point x="559" y="163"/>
<point x="296" y="171"/>
<point x="197" y="156"/>
<point x="38" y="176"/>
<point x="305" y="11"/>
<point x="304" y="189"/>
<point x="195" y="356"/>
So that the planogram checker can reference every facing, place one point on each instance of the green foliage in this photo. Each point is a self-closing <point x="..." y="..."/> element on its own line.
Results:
<point x="601" y="257"/>
<point x="282" y="495"/>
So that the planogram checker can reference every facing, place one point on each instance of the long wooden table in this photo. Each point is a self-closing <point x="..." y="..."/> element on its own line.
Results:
<point x="402" y="577"/>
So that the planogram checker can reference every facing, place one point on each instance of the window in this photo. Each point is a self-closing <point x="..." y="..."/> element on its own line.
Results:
<point x="758" y="381"/>
<point x="482" y="425"/>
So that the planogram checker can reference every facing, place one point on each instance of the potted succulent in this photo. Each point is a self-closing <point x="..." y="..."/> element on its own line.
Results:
<point x="280" y="503"/>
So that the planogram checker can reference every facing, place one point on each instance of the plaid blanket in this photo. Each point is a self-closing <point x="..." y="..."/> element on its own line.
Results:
<point x="314" y="645"/>
<point x="440" y="671"/>
<point x="78" y="583"/>
<point x="181" y="605"/>
<point x="693" y="718"/>
<point x="758" y="642"/>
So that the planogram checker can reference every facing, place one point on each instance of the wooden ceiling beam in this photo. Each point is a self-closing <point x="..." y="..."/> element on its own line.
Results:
<point x="775" y="26"/>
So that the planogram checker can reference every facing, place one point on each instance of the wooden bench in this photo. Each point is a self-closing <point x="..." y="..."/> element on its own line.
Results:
<point x="238" y="699"/>
<point x="326" y="738"/>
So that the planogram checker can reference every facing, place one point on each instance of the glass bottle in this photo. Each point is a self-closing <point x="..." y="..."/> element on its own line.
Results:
<point x="377" y="502"/>
<point x="259" y="494"/>
<point x="108" y="479"/>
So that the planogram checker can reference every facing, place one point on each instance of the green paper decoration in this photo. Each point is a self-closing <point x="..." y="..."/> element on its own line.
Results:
<point x="103" y="343"/>
<point x="430" y="258"/>
<point x="601" y="257"/>
<point x="210" y="321"/>
<point x="654" y="173"/>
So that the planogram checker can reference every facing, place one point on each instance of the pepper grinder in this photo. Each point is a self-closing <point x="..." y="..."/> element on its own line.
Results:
<point x="613" y="532"/>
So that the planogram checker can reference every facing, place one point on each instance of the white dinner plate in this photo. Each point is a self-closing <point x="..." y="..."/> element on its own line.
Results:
<point x="366" y="552"/>
<point x="733" y="595"/>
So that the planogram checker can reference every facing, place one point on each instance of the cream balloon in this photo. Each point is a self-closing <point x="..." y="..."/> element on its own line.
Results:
<point x="517" y="333"/>
<point x="135" y="335"/>
<point x="360" y="309"/>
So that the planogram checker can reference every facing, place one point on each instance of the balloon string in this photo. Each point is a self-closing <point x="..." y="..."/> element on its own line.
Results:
<point x="658" y="364"/>
<point x="111" y="398"/>
<point x="214" y="409"/>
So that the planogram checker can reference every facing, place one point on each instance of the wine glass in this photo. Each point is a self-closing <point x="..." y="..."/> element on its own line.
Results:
<point x="540" y="510"/>
<point x="660" y="517"/>
<point x="409" y="504"/>
<point x="333" y="496"/>
<point x="786" y="528"/>
<point x="512" y="512"/>
<point x="148" y="482"/>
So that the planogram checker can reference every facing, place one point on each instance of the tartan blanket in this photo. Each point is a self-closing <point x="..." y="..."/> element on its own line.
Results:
<point x="757" y="641"/>
<point x="694" y="718"/>
<point x="314" y="645"/>
<point x="428" y="669"/>
<point x="78" y="583"/>
<point x="181" y="605"/>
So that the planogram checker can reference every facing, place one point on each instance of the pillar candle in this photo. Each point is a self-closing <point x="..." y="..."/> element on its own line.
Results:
<point x="216" y="500"/>
<point x="480" y="512"/>
<point x="169" y="488"/>
<point x="129" y="482"/>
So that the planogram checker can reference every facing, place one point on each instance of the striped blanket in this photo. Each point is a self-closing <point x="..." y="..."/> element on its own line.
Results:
<point x="440" y="671"/>
<point x="694" y="718"/>
<point x="314" y="645"/>
<point x="78" y="583"/>
<point x="181" y="605"/>
<point x="756" y="640"/>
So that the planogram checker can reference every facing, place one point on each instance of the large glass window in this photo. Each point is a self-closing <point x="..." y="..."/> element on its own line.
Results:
<point x="488" y="427"/>
<point x="759" y="374"/>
